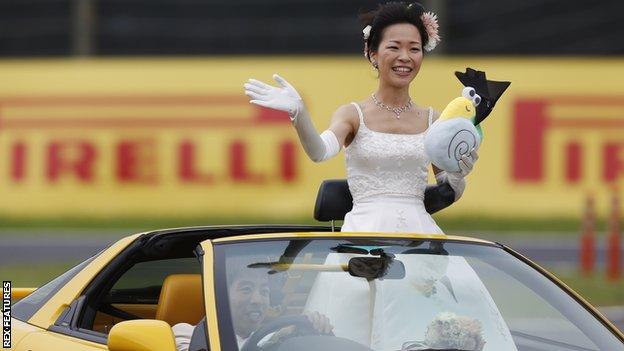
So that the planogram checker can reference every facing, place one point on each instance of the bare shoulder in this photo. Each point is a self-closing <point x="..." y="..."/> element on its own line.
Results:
<point x="346" y="113"/>
<point x="345" y="123"/>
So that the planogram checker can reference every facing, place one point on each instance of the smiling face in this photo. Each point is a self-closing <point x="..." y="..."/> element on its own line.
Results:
<point x="399" y="54"/>
<point x="249" y="300"/>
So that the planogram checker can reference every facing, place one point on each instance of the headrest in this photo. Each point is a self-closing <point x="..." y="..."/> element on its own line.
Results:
<point x="438" y="197"/>
<point x="333" y="200"/>
<point x="181" y="299"/>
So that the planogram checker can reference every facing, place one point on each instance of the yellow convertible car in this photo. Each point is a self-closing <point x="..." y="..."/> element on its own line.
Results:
<point x="263" y="287"/>
<point x="305" y="288"/>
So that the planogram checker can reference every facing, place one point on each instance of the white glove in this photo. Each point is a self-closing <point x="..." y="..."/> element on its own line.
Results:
<point x="466" y="163"/>
<point x="456" y="179"/>
<point x="287" y="99"/>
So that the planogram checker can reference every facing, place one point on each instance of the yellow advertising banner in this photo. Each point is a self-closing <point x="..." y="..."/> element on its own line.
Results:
<point x="177" y="137"/>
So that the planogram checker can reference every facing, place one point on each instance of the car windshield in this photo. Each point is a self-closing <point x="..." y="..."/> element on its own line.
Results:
<point x="394" y="294"/>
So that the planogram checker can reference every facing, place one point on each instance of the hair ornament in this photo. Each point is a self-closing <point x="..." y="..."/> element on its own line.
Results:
<point x="430" y="21"/>
<point x="366" y="31"/>
<point x="366" y="34"/>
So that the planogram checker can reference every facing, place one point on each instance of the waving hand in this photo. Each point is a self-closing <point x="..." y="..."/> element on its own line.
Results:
<point x="284" y="98"/>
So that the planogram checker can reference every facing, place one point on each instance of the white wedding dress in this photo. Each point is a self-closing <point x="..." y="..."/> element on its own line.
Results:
<point x="387" y="176"/>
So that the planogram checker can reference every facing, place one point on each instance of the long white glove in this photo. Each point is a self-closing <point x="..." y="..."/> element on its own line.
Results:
<point x="287" y="99"/>
<point x="456" y="179"/>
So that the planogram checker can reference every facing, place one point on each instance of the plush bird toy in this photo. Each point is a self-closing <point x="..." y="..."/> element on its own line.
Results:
<point x="457" y="131"/>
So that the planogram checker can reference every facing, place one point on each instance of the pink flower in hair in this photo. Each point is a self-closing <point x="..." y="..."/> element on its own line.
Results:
<point x="430" y="21"/>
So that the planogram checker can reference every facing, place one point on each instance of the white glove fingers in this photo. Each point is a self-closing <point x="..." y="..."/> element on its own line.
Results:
<point x="255" y="96"/>
<point x="440" y="177"/>
<point x="463" y="168"/>
<point x="467" y="161"/>
<point x="474" y="155"/>
<point x="261" y="103"/>
<point x="255" y="89"/>
<point x="281" y="81"/>
<point x="259" y="84"/>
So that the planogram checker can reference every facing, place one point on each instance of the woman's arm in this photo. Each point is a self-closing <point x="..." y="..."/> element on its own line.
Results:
<point x="317" y="147"/>
<point x="344" y="123"/>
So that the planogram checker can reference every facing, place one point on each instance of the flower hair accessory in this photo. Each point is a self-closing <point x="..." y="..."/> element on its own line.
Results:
<point x="366" y="31"/>
<point x="430" y="21"/>
<point x="366" y="34"/>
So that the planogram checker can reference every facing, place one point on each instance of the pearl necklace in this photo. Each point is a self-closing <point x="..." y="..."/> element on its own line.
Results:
<point x="396" y="110"/>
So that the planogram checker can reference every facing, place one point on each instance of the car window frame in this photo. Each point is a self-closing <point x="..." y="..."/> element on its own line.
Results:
<point x="200" y="339"/>
<point x="69" y="321"/>
<point x="24" y="313"/>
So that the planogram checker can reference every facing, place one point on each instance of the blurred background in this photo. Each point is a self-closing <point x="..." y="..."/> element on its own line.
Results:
<point x="118" y="116"/>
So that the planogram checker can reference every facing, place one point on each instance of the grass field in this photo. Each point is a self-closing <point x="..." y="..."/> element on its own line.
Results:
<point x="528" y="226"/>
<point x="596" y="289"/>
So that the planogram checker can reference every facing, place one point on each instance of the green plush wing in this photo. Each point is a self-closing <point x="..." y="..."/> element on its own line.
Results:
<point x="478" y="126"/>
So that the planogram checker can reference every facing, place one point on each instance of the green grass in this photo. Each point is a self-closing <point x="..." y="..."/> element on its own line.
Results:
<point x="135" y="223"/>
<point x="596" y="289"/>
<point x="33" y="275"/>
<point x="552" y="226"/>
<point x="512" y="225"/>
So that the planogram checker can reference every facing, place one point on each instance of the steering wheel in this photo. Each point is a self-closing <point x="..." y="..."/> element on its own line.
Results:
<point x="301" y="322"/>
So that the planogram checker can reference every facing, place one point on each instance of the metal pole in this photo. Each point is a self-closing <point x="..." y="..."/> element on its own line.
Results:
<point x="614" y="270"/>
<point x="587" y="249"/>
<point x="83" y="13"/>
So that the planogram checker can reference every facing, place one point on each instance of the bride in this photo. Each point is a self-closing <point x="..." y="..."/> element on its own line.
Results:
<point x="382" y="135"/>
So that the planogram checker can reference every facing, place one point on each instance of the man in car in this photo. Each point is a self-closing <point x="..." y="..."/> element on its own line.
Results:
<point x="248" y="292"/>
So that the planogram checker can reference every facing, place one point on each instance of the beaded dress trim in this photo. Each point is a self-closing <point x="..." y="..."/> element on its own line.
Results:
<point x="386" y="164"/>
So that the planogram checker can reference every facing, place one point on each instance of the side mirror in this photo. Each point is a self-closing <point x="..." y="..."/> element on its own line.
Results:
<point x="141" y="335"/>
<point x="20" y="293"/>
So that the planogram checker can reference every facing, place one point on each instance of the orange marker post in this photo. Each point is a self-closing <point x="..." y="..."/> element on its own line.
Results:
<point x="613" y="250"/>
<point x="587" y="249"/>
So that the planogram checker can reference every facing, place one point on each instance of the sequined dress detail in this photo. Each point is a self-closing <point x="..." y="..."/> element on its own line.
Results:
<point x="387" y="176"/>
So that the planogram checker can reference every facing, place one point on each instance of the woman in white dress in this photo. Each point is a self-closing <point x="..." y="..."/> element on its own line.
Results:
<point x="387" y="168"/>
<point x="382" y="135"/>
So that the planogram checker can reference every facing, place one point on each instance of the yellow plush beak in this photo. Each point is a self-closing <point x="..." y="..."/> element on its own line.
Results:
<point x="459" y="107"/>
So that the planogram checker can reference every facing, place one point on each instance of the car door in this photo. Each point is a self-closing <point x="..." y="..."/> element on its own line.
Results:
<point x="45" y="340"/>
<point x="211" y="324"/>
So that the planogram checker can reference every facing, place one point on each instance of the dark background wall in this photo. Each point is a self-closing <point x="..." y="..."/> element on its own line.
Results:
<point x="206" y="27"/>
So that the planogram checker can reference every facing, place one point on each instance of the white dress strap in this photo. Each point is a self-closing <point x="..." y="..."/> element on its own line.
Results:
<point x="359" y="111"/>
<point x="430" y="115"/>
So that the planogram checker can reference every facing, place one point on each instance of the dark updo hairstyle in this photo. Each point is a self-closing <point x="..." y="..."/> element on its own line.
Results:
<point x="390" y="13"/>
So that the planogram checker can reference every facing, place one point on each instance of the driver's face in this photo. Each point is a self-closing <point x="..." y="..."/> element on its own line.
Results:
<point x="249" y="300"/>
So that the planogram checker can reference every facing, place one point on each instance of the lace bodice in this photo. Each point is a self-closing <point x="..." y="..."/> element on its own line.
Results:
<point x="386" y="164"/>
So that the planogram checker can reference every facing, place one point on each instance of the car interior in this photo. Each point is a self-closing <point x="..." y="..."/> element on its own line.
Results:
<point x="156" y="277"/>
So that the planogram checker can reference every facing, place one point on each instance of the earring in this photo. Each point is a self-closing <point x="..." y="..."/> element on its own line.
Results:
<point x="375" y="65"/>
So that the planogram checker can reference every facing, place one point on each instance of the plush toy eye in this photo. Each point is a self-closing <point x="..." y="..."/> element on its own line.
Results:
<point x="476" y="100"/>
<point x="469" y="93"/>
